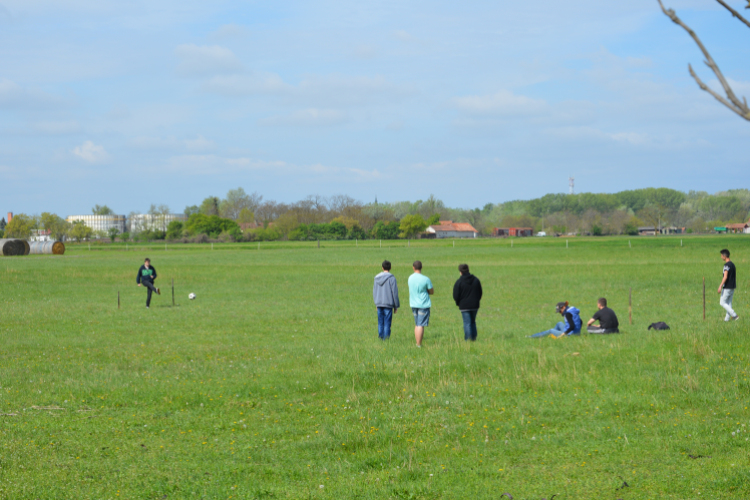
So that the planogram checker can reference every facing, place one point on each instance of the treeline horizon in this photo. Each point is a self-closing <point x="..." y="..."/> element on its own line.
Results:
<point x="242" y="216"/>
<point x="584" y="213"/>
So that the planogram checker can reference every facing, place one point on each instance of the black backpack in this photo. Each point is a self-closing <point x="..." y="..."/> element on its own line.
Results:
<point x="658" y="326"/>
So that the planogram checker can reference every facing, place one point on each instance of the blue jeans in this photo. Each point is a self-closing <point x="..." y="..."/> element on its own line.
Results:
<point x="470" y="324"/>
<point x="385" y="317"/>
<point x="557" y="331"/>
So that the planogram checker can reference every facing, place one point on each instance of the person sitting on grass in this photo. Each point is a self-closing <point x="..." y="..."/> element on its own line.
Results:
<point x="606" y="317"/>
<point x="146" y="277"/>
<point x="571" y="325"/>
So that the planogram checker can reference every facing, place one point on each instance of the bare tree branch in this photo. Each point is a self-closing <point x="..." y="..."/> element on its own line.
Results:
<point x="718" y="97"/>
<point x="732" y="102"/>
<point x="735" y="13"/>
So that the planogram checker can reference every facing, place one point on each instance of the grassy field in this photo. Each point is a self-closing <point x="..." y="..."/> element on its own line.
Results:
<point x="273" y="383"/>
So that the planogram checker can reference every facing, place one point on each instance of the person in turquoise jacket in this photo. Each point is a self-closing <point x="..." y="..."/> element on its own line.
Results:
<point x="571" y="326"/>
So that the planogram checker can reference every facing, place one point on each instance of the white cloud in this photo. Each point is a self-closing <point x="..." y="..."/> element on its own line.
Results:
<point x="231" y="31"/>
<point x="501" y="104"/>
<point x="197" y="144"/>
<point x="90" y="152"/>
<point x="13" y="95"/>
<point x="204" y="60"/>
<point x="244" y="85"/>
<point x="215" y="165"/>
<point x="316" y="91"/>
<point x="200" y="143"/>
<point x="365" y="52"/>
<point x="58" y="128"/>
<point x="403" y="36"/>
<point x="308" y="118"/>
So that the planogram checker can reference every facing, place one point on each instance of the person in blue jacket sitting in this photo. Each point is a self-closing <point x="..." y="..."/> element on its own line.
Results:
<point x="571" y="326"/>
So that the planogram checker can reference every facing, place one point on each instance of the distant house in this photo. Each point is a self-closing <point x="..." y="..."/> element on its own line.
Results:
<point x="249" y="225"/>
<point x="740" y="228"/>
<point x="450" y="229"/>
<point x="521" y="231"/>
<point x="652" y="231"/>
<point x="501" y="232"/>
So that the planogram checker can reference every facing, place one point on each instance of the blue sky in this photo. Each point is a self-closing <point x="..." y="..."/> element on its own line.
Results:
<point x="130" y="102"/>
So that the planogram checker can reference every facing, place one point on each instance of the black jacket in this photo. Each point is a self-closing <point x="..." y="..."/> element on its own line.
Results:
<point x="467" y="292"/>
<point x="146" y="277"/>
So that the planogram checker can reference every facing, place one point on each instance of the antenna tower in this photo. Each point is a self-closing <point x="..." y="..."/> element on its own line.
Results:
<point x="572" y="184"/>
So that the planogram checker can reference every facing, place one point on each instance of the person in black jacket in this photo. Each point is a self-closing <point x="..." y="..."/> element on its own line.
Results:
<point x="146" y="277"/>
<point x="467" y="292"/>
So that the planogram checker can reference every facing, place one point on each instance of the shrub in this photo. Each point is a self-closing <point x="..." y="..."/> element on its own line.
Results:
<point x="264" y="234"/>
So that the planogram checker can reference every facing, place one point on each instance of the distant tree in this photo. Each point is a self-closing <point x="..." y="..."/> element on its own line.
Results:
<point x="596" y="230"/>
<point x="235" y="233"/>
<point x="286" y="223"/>
<point x="79" y="231"/>
<point x="356" y="233"/>
<point x="193" y="209"/>
<point x="210" y="206"/>
<point x="731" y="100"/>
<point x="174" y="230"/>
<point x="56" y="225"/>
<point x="112" y="232"/>
<point x="653" y="216"/>
<point x="101" y="210"/>
<point x="337" y="230"/>
<point x="386" y="230"/>
<point x="212" y="225"/>
<point x="412" y="225"/>
<point x="631" y="226"/>
<point x="20" y="226"/>
<point x="348" y="222"/>
<point x="246" y="216"/>
<point x="124" y="236"/>
<point x="3" y="224"/>
<point x="434" y="219"/>
<point x="236" y="201"/>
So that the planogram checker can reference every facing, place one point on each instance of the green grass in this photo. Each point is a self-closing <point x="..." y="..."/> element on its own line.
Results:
<point x="273" y="383"/>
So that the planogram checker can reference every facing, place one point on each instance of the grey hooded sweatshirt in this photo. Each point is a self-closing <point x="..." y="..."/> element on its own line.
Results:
<point x="385" y="291"/>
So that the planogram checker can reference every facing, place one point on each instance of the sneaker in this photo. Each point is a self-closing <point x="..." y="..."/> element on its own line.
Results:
<point x="736" y="317"/>
<point x="158" y="291"/>
<point x="146" y="307"/>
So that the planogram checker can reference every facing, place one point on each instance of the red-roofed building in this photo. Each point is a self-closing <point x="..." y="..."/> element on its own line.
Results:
<point x="450" y="229"/>
<point x="740" y="228"/>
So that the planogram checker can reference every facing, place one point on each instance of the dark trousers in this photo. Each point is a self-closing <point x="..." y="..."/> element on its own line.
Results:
<point x="151" y="289"/>
<point x="470" y="324"/>
<point x="385" y="317"/>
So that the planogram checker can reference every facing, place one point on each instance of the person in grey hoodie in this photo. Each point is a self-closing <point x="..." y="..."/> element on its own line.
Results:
<point x="385" y="295"/>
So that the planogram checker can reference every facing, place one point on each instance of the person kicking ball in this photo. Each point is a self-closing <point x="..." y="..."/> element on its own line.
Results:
<point x="146" y="277"/>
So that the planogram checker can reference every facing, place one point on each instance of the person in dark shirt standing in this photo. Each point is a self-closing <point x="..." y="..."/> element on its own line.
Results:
<point x="606" y="317"/>
<point x="728" y="285"/>
<point x="467" y="292"/>
<point x="146" y="277"/>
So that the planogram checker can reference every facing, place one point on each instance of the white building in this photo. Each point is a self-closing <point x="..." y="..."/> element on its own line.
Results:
<point x="40" y="235"/>
<point x="100" y="222"/>
<point x="156" y="222"/>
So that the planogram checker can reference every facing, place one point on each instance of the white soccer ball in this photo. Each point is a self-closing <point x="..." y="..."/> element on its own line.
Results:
<point x="191" y="296"/>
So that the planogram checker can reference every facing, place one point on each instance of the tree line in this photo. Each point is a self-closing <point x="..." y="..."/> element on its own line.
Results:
<point x="249" y="217"/>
